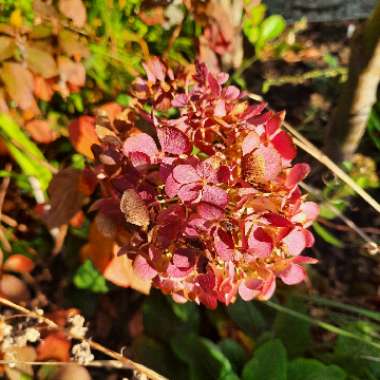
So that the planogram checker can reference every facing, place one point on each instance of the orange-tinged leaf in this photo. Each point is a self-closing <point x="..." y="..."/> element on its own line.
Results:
<point x="19" y="84"/>
<point x="41" y="131"/>
<point x="7" y="47"/>
<point x="82" y="135"/>
<point x="134" y="209"/>
<point x="19" y="263"/>
<point x="54" y="347"/>
<point x="120" y="272"/>
<point x="99" y="248"/>
<point x="41" y="62"/>
<point x="71" y="72"/>
<point x="72" y="44"/>
<point x="78" y="219"/>
<point x="75" y="10"/>
<point x="42" y="88"/>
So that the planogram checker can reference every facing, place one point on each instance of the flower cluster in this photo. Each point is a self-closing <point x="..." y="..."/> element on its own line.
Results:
<point x="200" y="181"/>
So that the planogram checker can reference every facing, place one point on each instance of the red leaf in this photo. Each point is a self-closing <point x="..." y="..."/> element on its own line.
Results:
<point x="284" y="145"/>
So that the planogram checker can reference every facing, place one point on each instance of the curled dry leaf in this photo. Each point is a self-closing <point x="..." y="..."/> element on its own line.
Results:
<point x="19" y="84"/>
<point x="75" y="10"/>
<point x="134" y="209"/>
<point x="82" y="135"/>
<point x="65" y="197"/>
<point x="41" y="131"/>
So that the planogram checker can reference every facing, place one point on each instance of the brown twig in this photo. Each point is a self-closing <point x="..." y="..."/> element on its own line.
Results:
<point x="94" y="345"/>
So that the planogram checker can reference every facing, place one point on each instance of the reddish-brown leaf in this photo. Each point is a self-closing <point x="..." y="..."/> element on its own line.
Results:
<point x="65" y="198"/>
<point x="42" y="88"/>
<point x="134" y="209"/>
<point x="83" y="136"/>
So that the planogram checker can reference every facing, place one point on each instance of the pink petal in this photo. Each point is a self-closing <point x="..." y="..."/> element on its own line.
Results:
<point x="274" y="124"/>
<point x="223" y="174"/>
<point x="208" y="211"/>
<point x="250" y="142"/>
<point x="206" y="170"/>
<point x="189" y="192"/>
<point x="304" y="260"/>
<point x="142" y="143"/>
<point x="294" y="274"/>
<point x="284" y="145"/>
<point x="311" y="209"/>
<point x="309" y="238"/>
<point x="260" y="243"/>
<point x="173" y="141"/>
<point x="295" y="242"/>
<point x="139" y="159"/>
<point x="171" y="186"/>
<point x="185" y="174"/>
<point x="213" y="84"/>
<point x="155" y="69"/>
<point x="215" y="196"/>
<point x="231" y="93"/>
<point x="249" y="289"/>
<point x="277" y="220"/>
<point x="296" y="174"/>
<point x="224" y="244"/>
<point x="220" y="108"/>
<point x="180" y="100"/>
<point x="143" y="269"/>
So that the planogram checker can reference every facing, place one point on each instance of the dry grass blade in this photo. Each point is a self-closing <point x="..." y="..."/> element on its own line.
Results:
<point x="94" y="345"/>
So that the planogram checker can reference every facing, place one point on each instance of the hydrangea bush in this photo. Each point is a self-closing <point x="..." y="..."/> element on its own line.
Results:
<point x="200" y="185"/>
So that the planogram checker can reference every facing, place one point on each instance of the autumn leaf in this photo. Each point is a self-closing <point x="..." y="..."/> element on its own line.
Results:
<point x="19" y="263"/>
<point x="54" y="347"/>
<point x="75" y="10"/>
<point x="71" y="72"/>
<point x="83" y="135"/>
<point x="65" y="198"/>
<point x="19" y="84"/>
<point x="41" y="131"/>
<point x="134" y="209"/>
<point x="7" y="47"/>
<point x="41" y="62"/>
<point x="72" y="44"/>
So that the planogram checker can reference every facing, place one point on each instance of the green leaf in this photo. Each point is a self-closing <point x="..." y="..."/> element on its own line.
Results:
<point x="204" y="358"/>
<point x="294" y="333"/>
<point x="268" y="362"/>
<point x="358" y="357"/>
<point x="88" y="277"/>
<point x="327" y="236"/>
<point x="157" y="356"/>
<point x="247" y="316"/>
<point x="158" y="310"/>
<point x="271" y="28"/>
<point x="310" y="369"/>
<point x="234" y="352"/>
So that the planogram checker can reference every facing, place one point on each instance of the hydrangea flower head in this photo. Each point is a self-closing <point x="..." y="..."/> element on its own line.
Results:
<point x="201" y="183"/>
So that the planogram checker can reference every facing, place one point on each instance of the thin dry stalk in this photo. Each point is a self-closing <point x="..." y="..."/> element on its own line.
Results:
<point x="94" y="345"/>
<point x="311" y="149"/>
